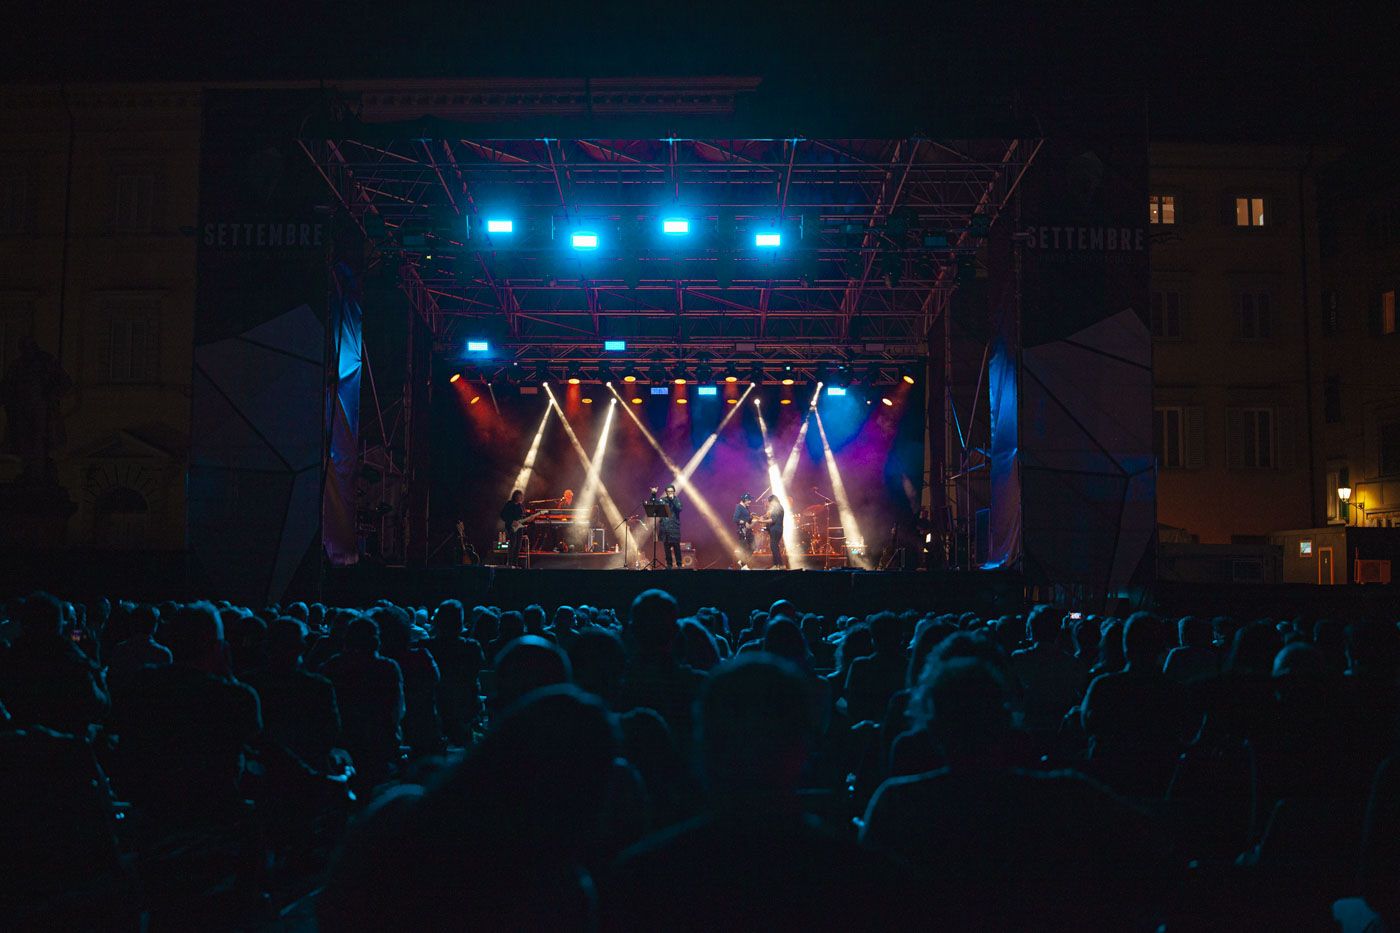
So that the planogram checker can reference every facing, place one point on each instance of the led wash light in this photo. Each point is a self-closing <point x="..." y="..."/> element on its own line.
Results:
<point x="707" y="390"/>
<point x="500" y="226"/>
<point x="835" y="390"/>
<point x="614" y="346"/>
<point x="585" y="241"/>
<point x="675" y="226"/>
<point x="768" y="240"/>
<point x="478" y="346"/>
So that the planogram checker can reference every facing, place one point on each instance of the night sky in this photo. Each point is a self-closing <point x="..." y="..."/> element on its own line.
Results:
<point x="1246" y="71"/>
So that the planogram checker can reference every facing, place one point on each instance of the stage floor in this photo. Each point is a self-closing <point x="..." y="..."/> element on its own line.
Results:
<point x="828" y="592"/>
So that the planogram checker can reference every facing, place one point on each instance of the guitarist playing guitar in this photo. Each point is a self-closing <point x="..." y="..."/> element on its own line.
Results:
<point x="514" y="518"/>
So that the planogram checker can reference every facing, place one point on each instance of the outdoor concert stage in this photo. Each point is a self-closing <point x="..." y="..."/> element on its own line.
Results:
<point x="829" y="592"/>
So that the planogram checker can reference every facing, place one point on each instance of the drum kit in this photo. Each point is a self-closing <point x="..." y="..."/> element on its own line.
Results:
<point x="813" y="529"/>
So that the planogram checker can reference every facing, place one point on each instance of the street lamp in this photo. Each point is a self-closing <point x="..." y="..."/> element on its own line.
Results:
<point x="1344" y="493"/>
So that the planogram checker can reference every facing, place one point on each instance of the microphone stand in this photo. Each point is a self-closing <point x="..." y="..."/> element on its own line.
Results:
<point x="625" y="536"/>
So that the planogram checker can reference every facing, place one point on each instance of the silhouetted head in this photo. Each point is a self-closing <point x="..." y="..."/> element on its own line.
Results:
<point x="1042" y="625"/>
<point x="286" y="642"/>
<point x="527" y="664"/>
<point x="695" y="646"/>
<point x="652" y="625"/>
<point x="40" y="617"/>
<point x="784" y="639"/>
<point x="362" y="635"/>
<point x="1193" y="632"/>
<point x="1373" y="649"/>
<point x="1254" y="648"/>
<point x="195" y="636"/>
<point x="448" y="619"/>
<point x="1298" y="659"/>
<point x="1144" y="640"/>
<point x="534" y="619"/>
<point x="968" y="704"/>
<point x="757" y="724"/>
<point x="598" y="661"/>
<point x="512" y="626"/>
<point x="887" y="633"/>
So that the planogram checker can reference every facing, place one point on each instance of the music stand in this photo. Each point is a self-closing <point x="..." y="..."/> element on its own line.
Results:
<point x="656" y="510"/>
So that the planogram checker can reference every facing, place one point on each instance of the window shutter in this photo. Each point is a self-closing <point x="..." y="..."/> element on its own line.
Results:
<point x="1284" y="445"/>
<point x="1194" y="457"/>
<point x="1234" y="438"/>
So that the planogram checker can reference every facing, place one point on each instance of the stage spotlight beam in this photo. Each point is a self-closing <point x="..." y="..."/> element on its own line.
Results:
<point x="682" y="480"/>
<point x="610" y="509"/>
<point x="589" y="495"/>
<point x="791" y="542"/>
<point x="854" y="537"/>
<point x="527" y="469"/>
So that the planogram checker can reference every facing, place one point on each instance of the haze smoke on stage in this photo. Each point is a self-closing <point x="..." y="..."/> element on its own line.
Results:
<point x="682" y="482"/>
<point x="527" y="469"/>
<point x="792" y="543"/>
<point x="610" y="509"/>
<point x="589" y="494"/>
<point x="853" y="535"/>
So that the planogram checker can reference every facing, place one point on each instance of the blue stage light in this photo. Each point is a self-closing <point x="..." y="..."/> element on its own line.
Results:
<point x="614" y="346"/>
<point x="675" y="226"/>
<point x="835" y="390"/>
<point x="500" y="226"/>
<point x="660" y="390"/>
<point x="707" y="390"/>
<point x="478" y="346"/>
<point x="767" y="240"/>
<point x="585" y="241"/>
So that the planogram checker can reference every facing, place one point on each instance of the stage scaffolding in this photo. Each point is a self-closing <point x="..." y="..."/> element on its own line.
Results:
<point x="878" y="234"/>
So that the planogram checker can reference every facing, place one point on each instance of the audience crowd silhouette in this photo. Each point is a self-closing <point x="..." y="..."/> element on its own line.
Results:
<point x="178" y="766"/>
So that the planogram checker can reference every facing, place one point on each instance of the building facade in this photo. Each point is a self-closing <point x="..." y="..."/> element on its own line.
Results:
<point x="1235" y="288"/>
<point x="1357" y="373"/>
<point x="98" y="199"/>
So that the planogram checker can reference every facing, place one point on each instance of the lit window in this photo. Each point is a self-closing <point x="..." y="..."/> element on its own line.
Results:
<point x="1388" y="312"/>
<point x="1161" y="208"/>
<point x="1304" y="547"/>
<point x="1249" y="212"/>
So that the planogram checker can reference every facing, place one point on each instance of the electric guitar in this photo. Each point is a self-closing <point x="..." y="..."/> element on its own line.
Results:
<point x="520" y="523"/>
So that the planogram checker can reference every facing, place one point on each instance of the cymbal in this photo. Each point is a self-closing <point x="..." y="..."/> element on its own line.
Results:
<point x="821" y="507"/>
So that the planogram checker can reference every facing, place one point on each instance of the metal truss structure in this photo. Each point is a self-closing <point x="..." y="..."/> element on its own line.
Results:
<point x="875" y="233"/>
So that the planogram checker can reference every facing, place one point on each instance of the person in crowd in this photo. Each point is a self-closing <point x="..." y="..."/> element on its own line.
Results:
<point x="459" y="660"/>
<point x="1052" y="681"/>
<point x="299" y="708"/>
<point x="855" y="643"/>
<point x="874" y="679"/>
<point x="1195" y="654"/>
<point x="45" y="679"/>
<point x="753" y="861"/>
<point x="498" y="842"/>
<point x="369" y="689"/>
<point x="696" y="648"/>
<point x="526" y="665"/>
<point x="599" y="663"/>
<point x="186" y="726"/>
<point x="422" y="729"/>
<point x="654" y="678"/>
<point x="1001" y="848"/>
<point x="140" y="648"/>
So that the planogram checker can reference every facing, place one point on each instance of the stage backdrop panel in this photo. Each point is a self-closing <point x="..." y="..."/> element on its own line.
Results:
<point x="260" y="348"/>
<point x="1073" y="473"/>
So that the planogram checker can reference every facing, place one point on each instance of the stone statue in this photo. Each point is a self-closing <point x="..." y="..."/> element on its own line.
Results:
<point x="34" y="382"/>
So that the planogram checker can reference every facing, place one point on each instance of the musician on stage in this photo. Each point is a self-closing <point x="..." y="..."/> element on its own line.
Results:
<point x="566" y="501"/>
<point x="743" y="522"/>
<point x="671" y="529"/>
<point x="776" y="517"/>
<point x="513" y="518"/>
